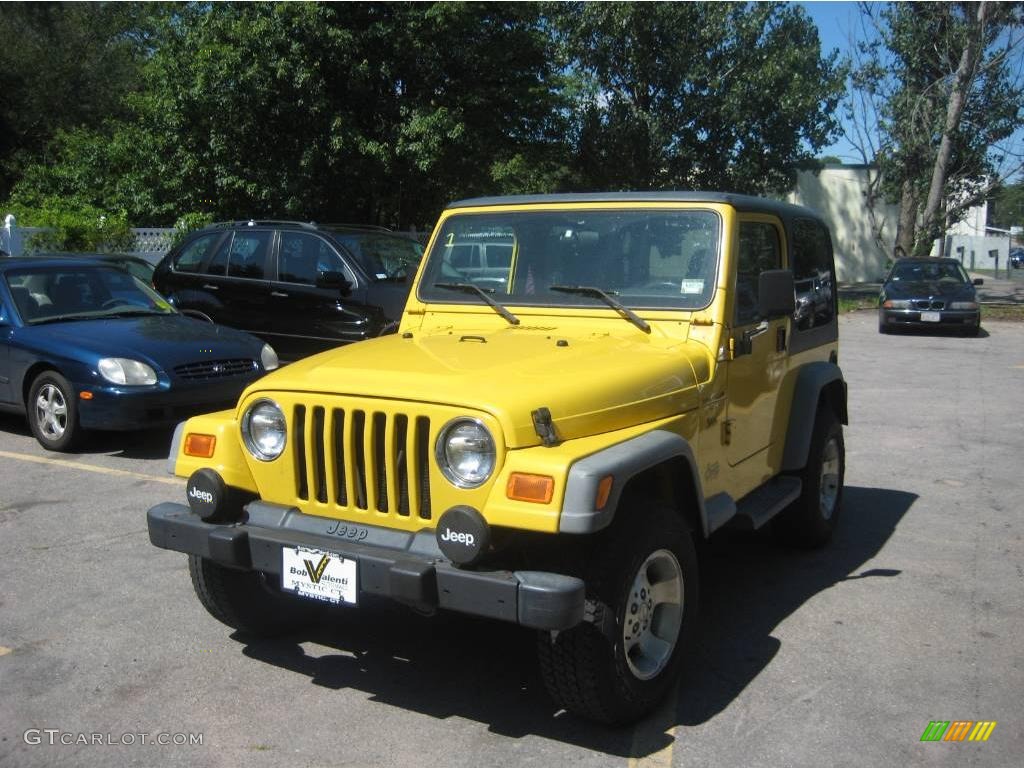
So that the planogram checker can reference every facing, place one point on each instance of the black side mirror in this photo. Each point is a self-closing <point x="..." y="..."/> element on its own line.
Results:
<point x="978" y="281"/>
<point x="332" y="279"/>
<point x="776" y="293"/>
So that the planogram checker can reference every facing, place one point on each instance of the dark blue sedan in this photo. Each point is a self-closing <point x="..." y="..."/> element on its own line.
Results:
<point x="84" y="345"/>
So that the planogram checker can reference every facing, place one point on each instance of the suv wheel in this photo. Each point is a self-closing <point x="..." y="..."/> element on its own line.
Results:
<point x="53" y="412"/>
<point x="247" y="600"/>
<point x="810" y="520"/>
<point x="617" y="666"/>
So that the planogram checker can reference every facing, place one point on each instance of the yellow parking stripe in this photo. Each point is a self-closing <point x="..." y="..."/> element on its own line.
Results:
<point x="4" y="650"/>
<point x="89" y="467"/>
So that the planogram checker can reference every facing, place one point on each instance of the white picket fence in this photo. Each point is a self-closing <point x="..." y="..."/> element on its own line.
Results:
<point x="151" y="243"/>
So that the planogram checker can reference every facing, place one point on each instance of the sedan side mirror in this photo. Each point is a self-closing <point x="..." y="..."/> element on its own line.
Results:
<point x="978" y="281"/>
<point x="776" y="293"/>
<point x="332" y="279"/>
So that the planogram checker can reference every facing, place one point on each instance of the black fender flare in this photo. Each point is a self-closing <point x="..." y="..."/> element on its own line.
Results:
<point x="814" y="381"/>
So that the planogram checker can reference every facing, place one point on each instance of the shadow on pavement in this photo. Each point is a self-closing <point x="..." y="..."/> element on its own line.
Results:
<point x="451" y="665"/>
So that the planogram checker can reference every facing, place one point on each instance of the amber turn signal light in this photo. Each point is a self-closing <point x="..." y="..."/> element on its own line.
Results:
<point x="535" y="488"/>
<point x="604" y="490"/>
<point x="85" y="395"/>
<point x="200" y="445"/>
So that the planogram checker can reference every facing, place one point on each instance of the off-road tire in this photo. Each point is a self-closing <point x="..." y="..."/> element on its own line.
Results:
<point x="248" y="601"/>
<point x="52" y="411"/>
<point x="585" y="669"/>
<point x="810" y="520"/>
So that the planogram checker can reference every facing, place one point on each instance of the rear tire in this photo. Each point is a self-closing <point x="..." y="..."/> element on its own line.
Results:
<point x="810" y="520"/>
<point x="249" y="601"/>
<point x="643" y="600"/>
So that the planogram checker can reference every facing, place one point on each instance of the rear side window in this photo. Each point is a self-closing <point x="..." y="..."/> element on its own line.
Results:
<point x="812" y="273"/>
<point x="192" y="255"/>
<point x="303" y="257"/>
<point x="247" y="256"/>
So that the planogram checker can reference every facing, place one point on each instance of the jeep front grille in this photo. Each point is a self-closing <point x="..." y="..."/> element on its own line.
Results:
<point x="361" y="459"/>
<point x="214" y="369"/>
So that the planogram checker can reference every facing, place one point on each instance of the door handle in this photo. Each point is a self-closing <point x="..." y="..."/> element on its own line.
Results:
<point x="279" y="294"/>
<point x="209" y="287"/>
<point x="745" y="343"/>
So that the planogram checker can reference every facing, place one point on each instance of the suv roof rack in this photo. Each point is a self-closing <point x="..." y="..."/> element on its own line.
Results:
<point x="263" y="223"/>
<point x="344" y="225"/>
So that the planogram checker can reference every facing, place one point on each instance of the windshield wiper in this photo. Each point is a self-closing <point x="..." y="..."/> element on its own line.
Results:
<point x="478" y="291"/>
<point x="134" y="312"/>
<point x="597" y="293"/>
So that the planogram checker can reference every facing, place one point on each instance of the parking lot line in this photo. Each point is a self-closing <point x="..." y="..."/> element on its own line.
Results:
<point x="88" y="467"/>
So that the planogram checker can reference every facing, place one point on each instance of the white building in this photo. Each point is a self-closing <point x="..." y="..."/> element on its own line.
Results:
<point x="863" y="241"/>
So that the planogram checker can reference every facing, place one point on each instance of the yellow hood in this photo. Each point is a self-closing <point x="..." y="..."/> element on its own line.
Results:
<point x="590" y="383"/>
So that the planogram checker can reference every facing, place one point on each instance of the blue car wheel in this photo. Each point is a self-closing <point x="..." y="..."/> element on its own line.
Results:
<point x="53" y="412"/>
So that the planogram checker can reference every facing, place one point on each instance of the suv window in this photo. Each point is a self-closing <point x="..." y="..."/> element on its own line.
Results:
<point x="192" y="255"/>
<point x="247" y="256"/>
<point x="759" y="251"/>
<point x="812" y="273"/>
<point x="305" y="256"/>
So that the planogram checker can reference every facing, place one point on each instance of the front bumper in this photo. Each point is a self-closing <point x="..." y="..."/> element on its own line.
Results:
<point x="407" y="567"/>
<point x="956" y="318"/>
<point x="125" y="408"/>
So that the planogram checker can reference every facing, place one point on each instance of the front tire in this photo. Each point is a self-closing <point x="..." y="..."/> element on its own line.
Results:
<point x="248" y="601"/>
<point x="811" y="519"/>
<point x="643" y="600"/>
<point x="52" y="411"/>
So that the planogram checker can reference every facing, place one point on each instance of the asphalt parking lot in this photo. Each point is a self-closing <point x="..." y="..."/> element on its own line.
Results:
<point x="837" y="657"/>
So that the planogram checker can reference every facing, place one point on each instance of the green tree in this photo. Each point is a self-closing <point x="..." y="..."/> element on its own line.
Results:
<point x="939" y="85"/>
<point x="698" y="95"/>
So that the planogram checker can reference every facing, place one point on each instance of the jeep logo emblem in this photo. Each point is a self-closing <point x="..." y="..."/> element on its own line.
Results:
<point x="204" y="496"/>
<point x="459" y="538"/>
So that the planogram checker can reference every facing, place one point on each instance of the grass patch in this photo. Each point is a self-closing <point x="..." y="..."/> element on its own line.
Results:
<point x="1012" y="312"/>
<point x="854" y="303"/>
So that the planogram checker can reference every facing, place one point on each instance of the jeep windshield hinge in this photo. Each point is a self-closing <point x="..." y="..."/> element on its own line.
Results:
<point x="544" y="427"/>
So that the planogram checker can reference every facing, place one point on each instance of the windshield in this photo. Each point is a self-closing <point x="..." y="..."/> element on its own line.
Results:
<point x="929" y="271"/>
<point x="382" y="256"/>
<point x="644" y="258"/>
<point x="49" y="294"/>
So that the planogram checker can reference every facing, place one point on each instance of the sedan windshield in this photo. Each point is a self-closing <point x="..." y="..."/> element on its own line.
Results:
<point x="928" y="272"/>
<point x="81" y="292"/>
<point x="652" y="259"/>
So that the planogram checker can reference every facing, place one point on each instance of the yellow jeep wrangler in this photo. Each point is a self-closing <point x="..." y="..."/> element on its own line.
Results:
<point x="546" y="444"/>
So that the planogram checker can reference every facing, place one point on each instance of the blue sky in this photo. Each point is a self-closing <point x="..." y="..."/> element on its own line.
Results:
<point x="836" y="22"/>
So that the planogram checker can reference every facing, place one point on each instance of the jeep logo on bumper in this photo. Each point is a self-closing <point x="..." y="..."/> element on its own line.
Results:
<point x="463" y="535"/>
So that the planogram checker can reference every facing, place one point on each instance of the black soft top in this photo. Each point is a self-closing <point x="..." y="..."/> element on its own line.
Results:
<point x="742" y="203"/>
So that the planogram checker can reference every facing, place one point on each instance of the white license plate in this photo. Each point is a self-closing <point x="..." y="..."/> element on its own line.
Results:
<point x="318" y="575"/>
<point x="931" y="317"/>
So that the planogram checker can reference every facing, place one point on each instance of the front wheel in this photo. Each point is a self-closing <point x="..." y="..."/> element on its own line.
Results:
<point x="248" y="601"/>
<point x="53" y="412"/>
<point x="643" y="601"/>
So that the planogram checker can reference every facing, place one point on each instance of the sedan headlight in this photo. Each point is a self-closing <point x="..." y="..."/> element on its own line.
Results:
<point x="269" y="358"/>
<point x="896" y="304"/>
<point x="964" y="305"/>
<point x="264" y="430"/>
<point x="465" y="453"/>
<point x="121" y="370"/>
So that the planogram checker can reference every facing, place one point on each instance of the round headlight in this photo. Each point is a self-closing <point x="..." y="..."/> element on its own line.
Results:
<point x="465" y="453"/>
<point x="264" y="430"/>
<point x="268" y="357"/>
<point x="121" y="370"/>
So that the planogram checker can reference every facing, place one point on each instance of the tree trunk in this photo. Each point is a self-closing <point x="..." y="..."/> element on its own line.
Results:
<point x="930" y="225"/>
<point x="908" y="221"/>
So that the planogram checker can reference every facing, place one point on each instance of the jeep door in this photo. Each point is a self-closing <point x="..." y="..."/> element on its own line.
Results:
<point x="317" y="300"/>
<point x="759" y="345"/>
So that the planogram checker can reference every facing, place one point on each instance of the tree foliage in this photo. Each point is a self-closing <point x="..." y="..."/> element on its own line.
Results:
<point x="947" y="94"/>
<point x="384" y="112"/>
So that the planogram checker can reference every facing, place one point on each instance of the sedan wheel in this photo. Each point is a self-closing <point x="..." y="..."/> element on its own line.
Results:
<point x="53" y="412"/>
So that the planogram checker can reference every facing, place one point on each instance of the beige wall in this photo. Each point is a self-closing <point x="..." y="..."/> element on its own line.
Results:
<point x="838" y="195"/>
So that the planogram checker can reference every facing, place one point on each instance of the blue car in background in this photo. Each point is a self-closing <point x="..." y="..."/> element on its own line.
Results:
<point x="85" y="345"/>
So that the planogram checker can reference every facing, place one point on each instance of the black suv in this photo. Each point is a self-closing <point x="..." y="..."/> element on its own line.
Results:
<point x="301" y="287"/>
